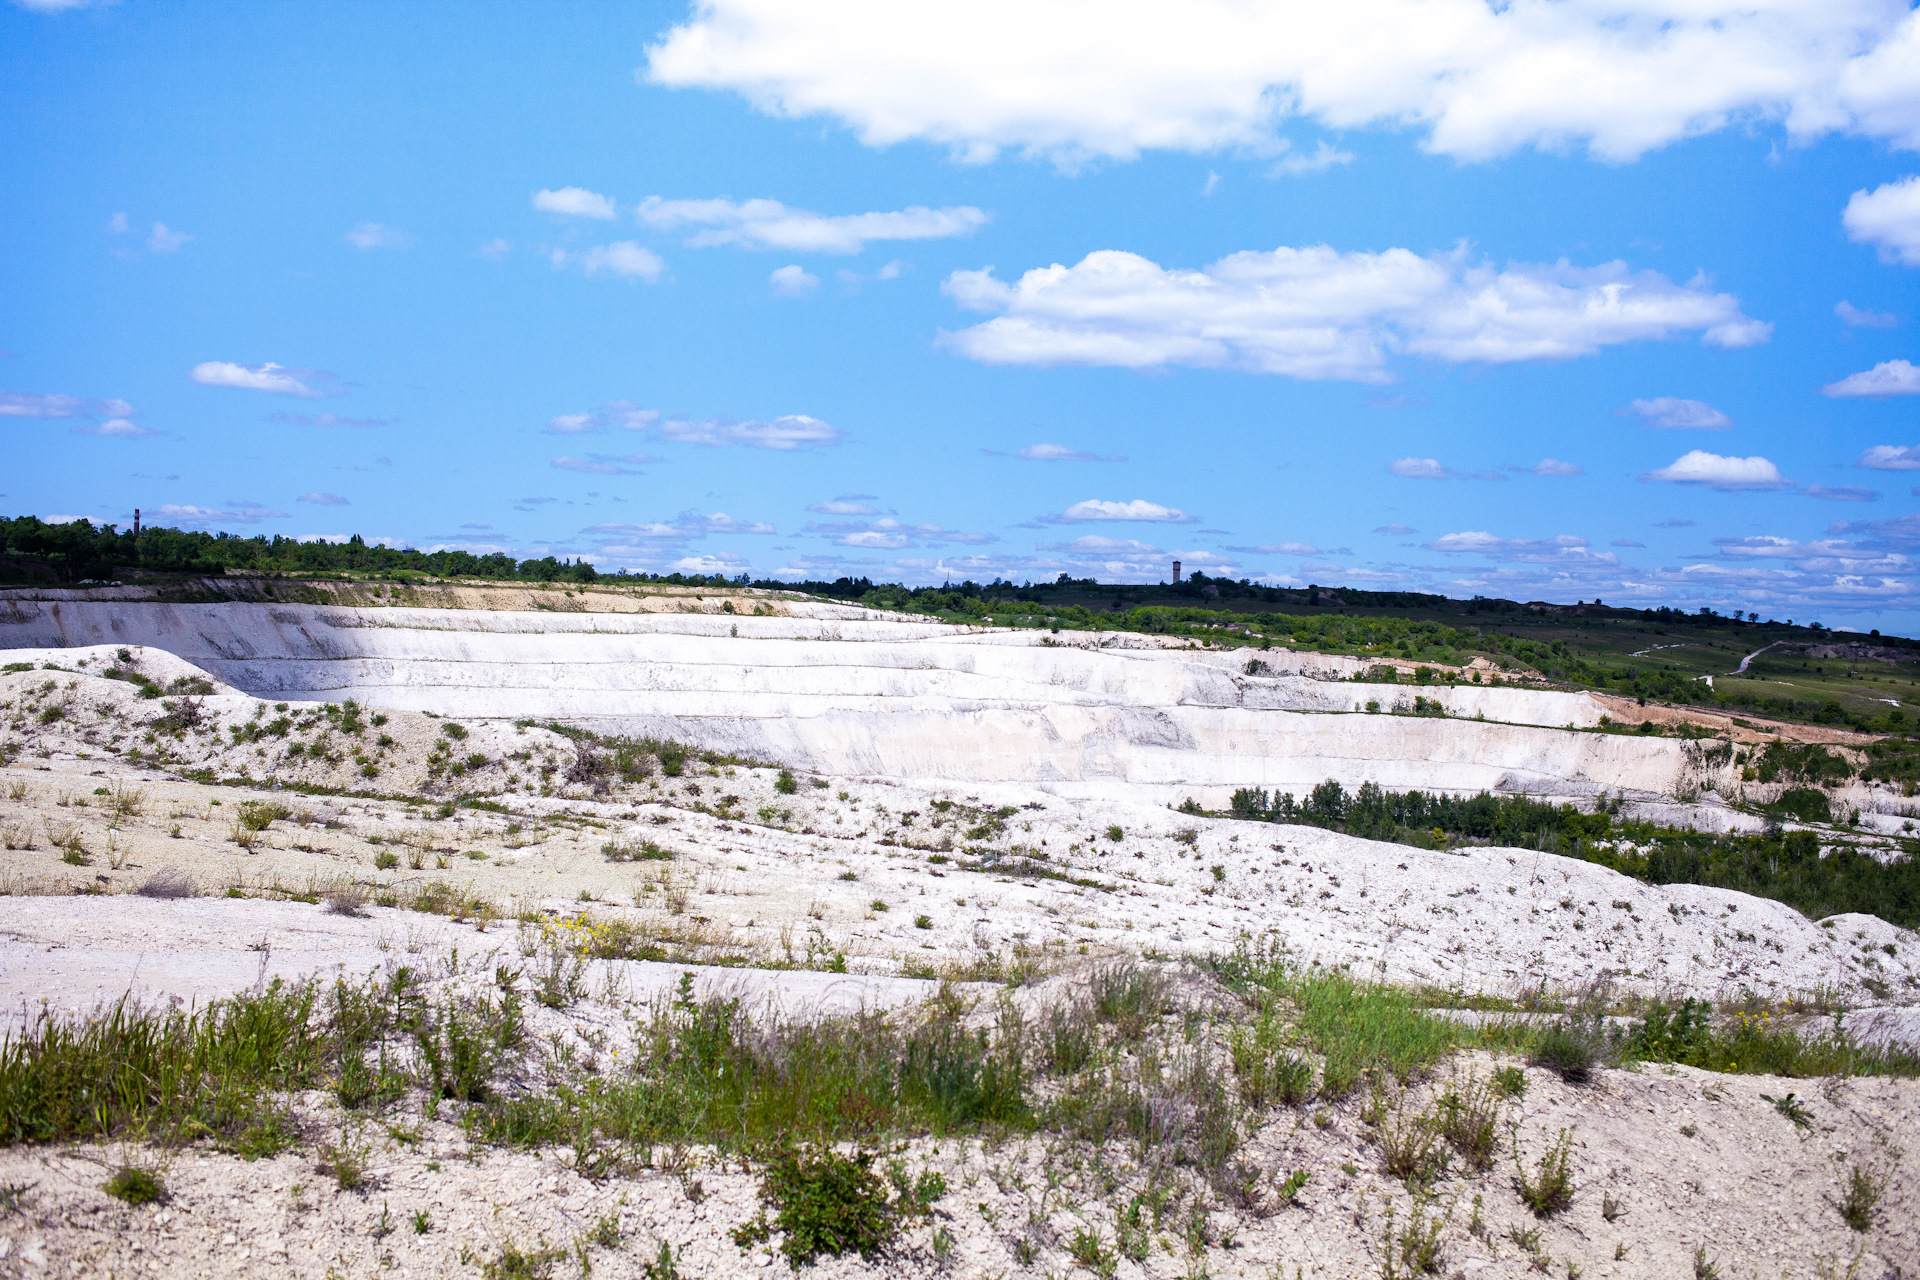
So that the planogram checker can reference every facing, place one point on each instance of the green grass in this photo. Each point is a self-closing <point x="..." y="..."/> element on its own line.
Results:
<point x="1355" y="1028"/>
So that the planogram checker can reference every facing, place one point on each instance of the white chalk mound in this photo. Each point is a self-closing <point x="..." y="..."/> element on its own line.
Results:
<point x="853" y="692"/>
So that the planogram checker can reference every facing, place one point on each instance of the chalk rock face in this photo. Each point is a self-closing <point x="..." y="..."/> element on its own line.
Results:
<point x="856" y="692"/>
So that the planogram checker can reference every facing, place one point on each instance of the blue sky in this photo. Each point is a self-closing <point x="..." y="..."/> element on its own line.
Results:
<point x="1559" y="301"/>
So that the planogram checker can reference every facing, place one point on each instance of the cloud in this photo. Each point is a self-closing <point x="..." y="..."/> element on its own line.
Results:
<point x="1563" y="549"/>
<point x="1315" y="313"/>
<point x="793" y="281"/>
<point x="269" y="377"/>
<point x="623" y="259"/>
<point x="195" y="517"/>
<point x="1055" y="79"/>
<point x="1628" y="542"/>
<point x="25" y="404"/>
<point x="1060" y="453"/>
<point x="1675" y="522"/>
<point x="1398" y="530"/>
<point x="1712" y="471"/>
<point x="1890" y="457"/>
<point x="161" y="240"/>
<point x="1288" y="549"/>
<point x="685" y="526"/>
<point x="1675" y="413"/>
<point x="120" y="427"/>
<point x="1865" y="319"/>
<point x="1888" y="378"/>
<point x="494" y="249"/>
<point x="371" y="235"/>
<point x="847" y="504"/>
<point x="1138" y="509"/>
<point x="328" y="420"/>
<point x="1320" y="160"/>
<point x="1887" y="217"/>
<point x="118" y="224"/>
<point x="889" y="534"/>
<point x="1552" y="467"/>
<point x="785" y="433"/>
<point x="1843" y="493"/>
<point x="768" y="224"/>
<point x="600" y="464"/>
<point x="322" y="499"/>
<point x="574" y="202"/>
<point x="1431" y="469"/>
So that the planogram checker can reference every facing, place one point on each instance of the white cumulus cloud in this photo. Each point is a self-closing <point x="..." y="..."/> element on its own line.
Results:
<point x="26" y="404"/>
<point x="785" y="433"/>
<point x="793" y="281"/>
<point x="372" y="235"/>
<point x="1138" y="509"/>
<point x="1317" y="313"/>
<point x="1673" y="412"/>
<point x="271" y="377"/>
<point x="162" y="240"/>
<point x="1888" y="378"/>
<point x="1891" y="457"/>
<point x="1069" y="80"/>
<point x="1712" y="471"/>
<point x="1861" y="318"/>
<point x="1888" y="217"/>
<point x="1560" y="550"/>
<point x="623" y="259"/>
<point x="574" y="202"/>
<point x="1060" y="453"/>
<point x="768" y="224"/>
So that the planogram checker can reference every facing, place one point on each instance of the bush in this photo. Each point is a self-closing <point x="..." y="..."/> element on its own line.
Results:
<point x="135" y="1186"/>
<point x="785" y="784"/>
<point x="824" y="1202"/>
<point x="1573" y="1047"/>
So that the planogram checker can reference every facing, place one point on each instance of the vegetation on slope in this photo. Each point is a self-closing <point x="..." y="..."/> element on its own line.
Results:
<point x="1788" y="867"/>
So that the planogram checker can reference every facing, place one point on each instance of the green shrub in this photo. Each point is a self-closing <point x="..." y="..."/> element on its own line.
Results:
<point x="824" y="1202"/>
<point x="135" y="1186"/>
<point x="785" y="784"/>
<point x="1573" y="1047"/>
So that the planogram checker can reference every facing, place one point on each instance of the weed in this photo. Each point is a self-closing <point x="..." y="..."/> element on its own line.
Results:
<point x="923" y="922"/>
<point x="386" y="860"/>
<point x="1469" y="1115"/>
<point x="1414" y="1249"/>
<point x="1550" y="1189"/>
<point x="515" y="1263"/>
<point x="1087" y="1248"/>
<point x="346" y="1162"/>
<point x="1793" y="1109"/>
<point x="1295" y="1183"/>
<point x="422" y="1222"/>
<point x="1528" y="1239"/>
<point x="347" y="900"/>
<point x="1129" y="996"/>
<point x="878" y="904"/>
<point x="1116" y="834"/>
<point x="606" y="1232"/>
<point x="135" y="1186"/>
<point x="1861" y="1204"/>
<point x="1704" y="1268"/>
<point x="171" y="883"/>
<point x="1410" y="1149"/>
<point x="1510" y="1082"/>
<point x="1572" y="1047"/>
<point x="662" y="1266"/>
<point x="785" y="784"/>
<point x="1610" y="1209"/>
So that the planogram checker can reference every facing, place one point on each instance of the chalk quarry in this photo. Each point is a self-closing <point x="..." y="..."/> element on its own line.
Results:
<point x="961" y="800"/>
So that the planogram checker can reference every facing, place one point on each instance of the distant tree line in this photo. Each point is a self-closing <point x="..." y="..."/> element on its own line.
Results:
<point x="1784" y="866"/>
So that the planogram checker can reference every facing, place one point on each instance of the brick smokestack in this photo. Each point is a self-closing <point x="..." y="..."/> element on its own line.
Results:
<point x="1176" y="571"/>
